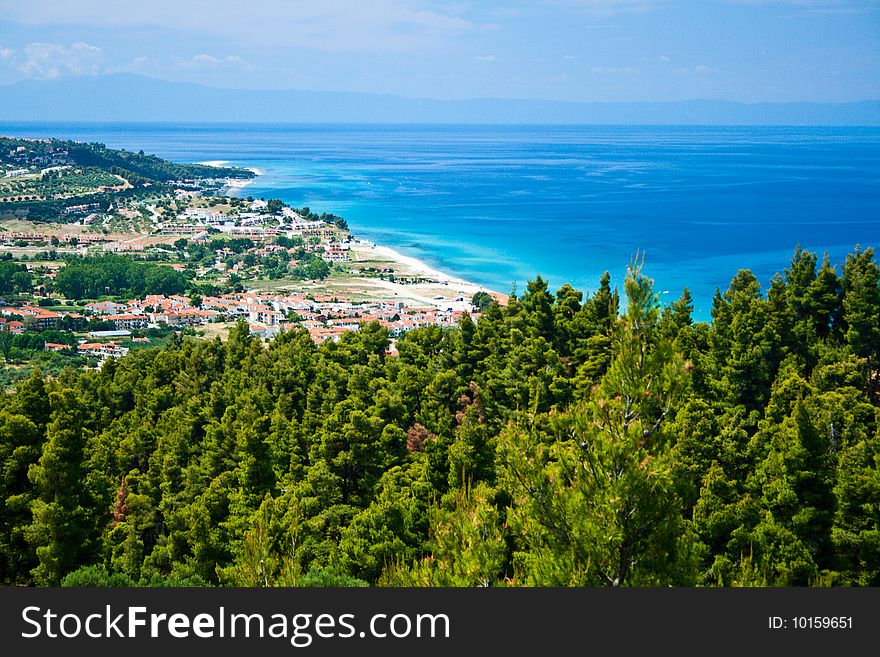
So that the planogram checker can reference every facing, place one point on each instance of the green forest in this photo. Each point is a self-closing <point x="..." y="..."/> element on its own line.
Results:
<point x="94" y="276"/>
<point x="126" y="163"/>
<point x="561" y="440"/>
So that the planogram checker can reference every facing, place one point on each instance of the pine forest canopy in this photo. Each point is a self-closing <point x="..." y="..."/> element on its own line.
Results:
<point x="556" y="442"/>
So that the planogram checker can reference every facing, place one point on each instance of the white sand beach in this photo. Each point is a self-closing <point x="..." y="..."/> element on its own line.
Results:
<point x="233" y="185"/>
<point x="438" y="288"/>
<point x="416" y="265"/>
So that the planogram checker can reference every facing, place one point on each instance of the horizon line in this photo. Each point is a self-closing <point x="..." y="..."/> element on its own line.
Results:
<point x="204" y="85"/>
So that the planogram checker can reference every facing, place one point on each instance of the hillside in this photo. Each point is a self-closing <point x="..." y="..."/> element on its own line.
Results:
<point x="41" y="178"/>
<point x="555" y="442"/>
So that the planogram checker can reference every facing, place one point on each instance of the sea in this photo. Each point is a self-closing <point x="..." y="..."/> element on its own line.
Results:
<point x="502" y="204"/>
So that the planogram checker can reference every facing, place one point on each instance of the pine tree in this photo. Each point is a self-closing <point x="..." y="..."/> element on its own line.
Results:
<point x="861" y="305"/>
<point x="61" y="531"/>
<point x="20" y="445"/>
<point x="593" y="497"/>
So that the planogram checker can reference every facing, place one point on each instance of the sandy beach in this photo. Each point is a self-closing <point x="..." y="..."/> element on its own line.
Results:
<point x="437" y="288"/>
<point x="233" y="185"/>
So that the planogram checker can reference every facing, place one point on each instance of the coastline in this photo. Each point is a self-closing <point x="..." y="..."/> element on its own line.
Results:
<point x="233" y="184"/>
<point x="236" y="184"/>
<point x="435" y="288"/>
<point x="438" y="288"/>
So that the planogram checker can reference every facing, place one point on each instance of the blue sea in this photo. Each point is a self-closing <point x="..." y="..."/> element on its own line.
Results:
<point x="501" y="204"/>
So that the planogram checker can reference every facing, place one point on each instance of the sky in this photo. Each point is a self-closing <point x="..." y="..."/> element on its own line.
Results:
<point x="575" y="50"/>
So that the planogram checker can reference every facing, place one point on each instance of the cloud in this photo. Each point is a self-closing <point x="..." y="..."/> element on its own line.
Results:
<point x="615" y="7"/>
<point x="51" y="60"/>
<point x="699" y="69"/>
<point x="610" y="7"/>
<point x="612" y="70"/>
<point x="140" y="62"/>
<point x="143" y="65"/>
<point x="569" y="58"/>
<point x="331" y="25"/>
<point x="210" y="60"/>
<point x="485" y="58"/>
<point x="507" y="12"/>
<point x="663" y="59"/>
<point x="817" y="7"/>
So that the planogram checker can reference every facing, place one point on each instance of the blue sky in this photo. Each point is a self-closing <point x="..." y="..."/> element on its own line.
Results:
<point x="579" y="50"/>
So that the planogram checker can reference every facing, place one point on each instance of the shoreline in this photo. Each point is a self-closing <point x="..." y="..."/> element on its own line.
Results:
<point x="233" y="184"/>
<point x="438" y="289"/>
<point x="437" y="284"/>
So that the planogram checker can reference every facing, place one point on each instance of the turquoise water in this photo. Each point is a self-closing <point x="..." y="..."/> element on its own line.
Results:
<point x="499" y="205"/>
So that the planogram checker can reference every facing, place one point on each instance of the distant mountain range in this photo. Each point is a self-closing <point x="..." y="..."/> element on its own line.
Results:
<point x="126" y="97"/>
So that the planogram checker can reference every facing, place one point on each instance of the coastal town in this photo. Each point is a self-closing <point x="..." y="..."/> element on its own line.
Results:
<point x="323" y="316"/>
<point x="218" y="257"/>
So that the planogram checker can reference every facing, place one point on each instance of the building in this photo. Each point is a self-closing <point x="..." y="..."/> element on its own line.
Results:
<point x="55" y="346"/>
<point x="14" y="326"/>
<point x="184" y="317"/>
<point x="109" y="334"/>
<point x="40" y="318"/>
<point x="128" y="321"/>
<point x="102" y="350"/>
<point x="104" y="307"/>
<point x="263" y="314"/>
<point x="335" y="253"/>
